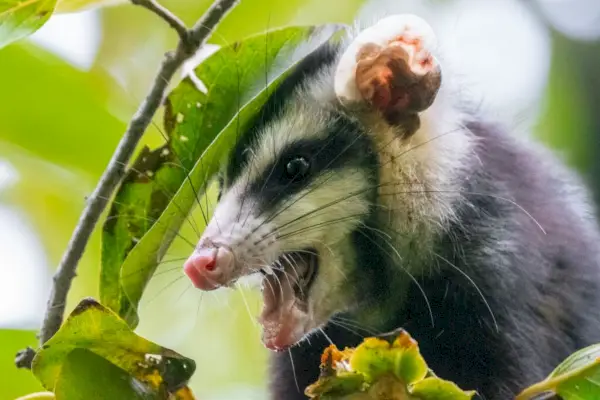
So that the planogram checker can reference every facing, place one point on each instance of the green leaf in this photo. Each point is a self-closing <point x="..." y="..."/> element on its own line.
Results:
<point x="437" y="389"/>
<point x="576" y="378"/>
<point x="87" y="376"/>
<point x="95" y="328"/>
<point x="20" y="18"/>
<point x="201" y="128"/>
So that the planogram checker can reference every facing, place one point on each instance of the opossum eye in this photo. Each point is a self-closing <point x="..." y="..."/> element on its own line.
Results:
<point x="297" y="168"/>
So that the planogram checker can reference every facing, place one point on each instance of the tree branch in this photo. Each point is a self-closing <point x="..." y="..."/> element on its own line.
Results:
<point x="166" y="15"/>
<point x="189" y="43"/>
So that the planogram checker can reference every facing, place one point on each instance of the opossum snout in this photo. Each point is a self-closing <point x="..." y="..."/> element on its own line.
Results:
<point x="210" y="268"/>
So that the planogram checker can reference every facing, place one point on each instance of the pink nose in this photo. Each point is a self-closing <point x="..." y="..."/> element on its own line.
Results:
<point x="209" y="268"/>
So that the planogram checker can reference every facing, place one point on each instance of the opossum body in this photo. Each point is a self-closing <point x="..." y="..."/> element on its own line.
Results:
<point x="371" y="199"/>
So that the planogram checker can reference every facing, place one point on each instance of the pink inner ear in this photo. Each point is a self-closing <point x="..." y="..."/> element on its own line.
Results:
<point x="394" y="80"/>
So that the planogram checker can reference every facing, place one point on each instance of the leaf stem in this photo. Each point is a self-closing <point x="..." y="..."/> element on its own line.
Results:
<point x="188" y="44"/>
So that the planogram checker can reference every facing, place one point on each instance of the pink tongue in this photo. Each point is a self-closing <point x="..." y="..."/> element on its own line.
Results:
<point x="278" y="316"/>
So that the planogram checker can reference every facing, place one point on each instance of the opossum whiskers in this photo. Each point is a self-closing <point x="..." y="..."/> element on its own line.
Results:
<point x="394" y="183"/>
<point x="341" y="325"/>
<point x="158" y="128"/>
<point x="451" y="264"/>
<point x="138" y="271"/>
<point x="315" y="186"/>
<point x="323" y="207"/>
<point x="406" y="271"/>
<point x="206" y="182"/>
<point x="198" y="309"/>
<point x="241" y="291"/>
<point x="168" y="285"/>
<point x="189" y="218"/>
<point x="149" y="219"/>
<point x="293" y="369"/>
<point x="159" y="264"/>
<point x="326" y="336"/>
<point x="266" y="87"/>
<point x="349" y="322"/>
<point x="388" y="242"/>
<point x="180" y="165"/>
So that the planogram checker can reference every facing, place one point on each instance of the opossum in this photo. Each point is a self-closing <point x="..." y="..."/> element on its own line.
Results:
<point x="371" y="198"/>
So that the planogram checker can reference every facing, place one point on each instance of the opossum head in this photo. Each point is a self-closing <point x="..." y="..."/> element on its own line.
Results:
<point x="306" y="177"/>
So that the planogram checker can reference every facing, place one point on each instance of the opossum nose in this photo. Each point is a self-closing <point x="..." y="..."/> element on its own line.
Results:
<point x="209" y="268"/>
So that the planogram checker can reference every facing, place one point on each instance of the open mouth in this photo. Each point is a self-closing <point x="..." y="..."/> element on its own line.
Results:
<point x="285" y="289"/>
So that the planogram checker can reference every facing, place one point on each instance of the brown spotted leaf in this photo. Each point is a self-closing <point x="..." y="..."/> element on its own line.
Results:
<point x="96" y="329"/>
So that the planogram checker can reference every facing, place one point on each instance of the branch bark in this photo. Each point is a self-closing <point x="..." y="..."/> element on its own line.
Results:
<point x="166" y="15"/>
<point x="189" y="43"/>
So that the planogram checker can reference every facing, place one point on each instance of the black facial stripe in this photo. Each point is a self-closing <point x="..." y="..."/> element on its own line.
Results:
<point x="307" y="68"/>
<point x="344" y="145"/>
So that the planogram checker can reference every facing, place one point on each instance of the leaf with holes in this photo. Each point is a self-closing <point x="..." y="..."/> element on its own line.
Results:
<point x="203" y="116"/>
<point x="20" y="18"/>
<point x="576" y="378"/>
<point x="98" y="330"/>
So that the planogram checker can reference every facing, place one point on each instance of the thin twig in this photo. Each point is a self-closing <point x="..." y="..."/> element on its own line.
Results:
<point x="166" y="15"/>
<point x="189" y="43"/>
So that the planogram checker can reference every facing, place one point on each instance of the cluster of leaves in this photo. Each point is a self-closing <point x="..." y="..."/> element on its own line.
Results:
<point x="381" y="369"/>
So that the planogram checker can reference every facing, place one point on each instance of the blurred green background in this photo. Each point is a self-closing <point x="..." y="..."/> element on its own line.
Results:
<point x="67" y="93"/>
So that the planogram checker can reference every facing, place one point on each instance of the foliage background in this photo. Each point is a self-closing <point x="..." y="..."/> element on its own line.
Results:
<point x="67" y="93"/>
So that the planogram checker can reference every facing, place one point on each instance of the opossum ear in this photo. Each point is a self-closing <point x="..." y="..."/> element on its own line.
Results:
<point x="389" y="68"/>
